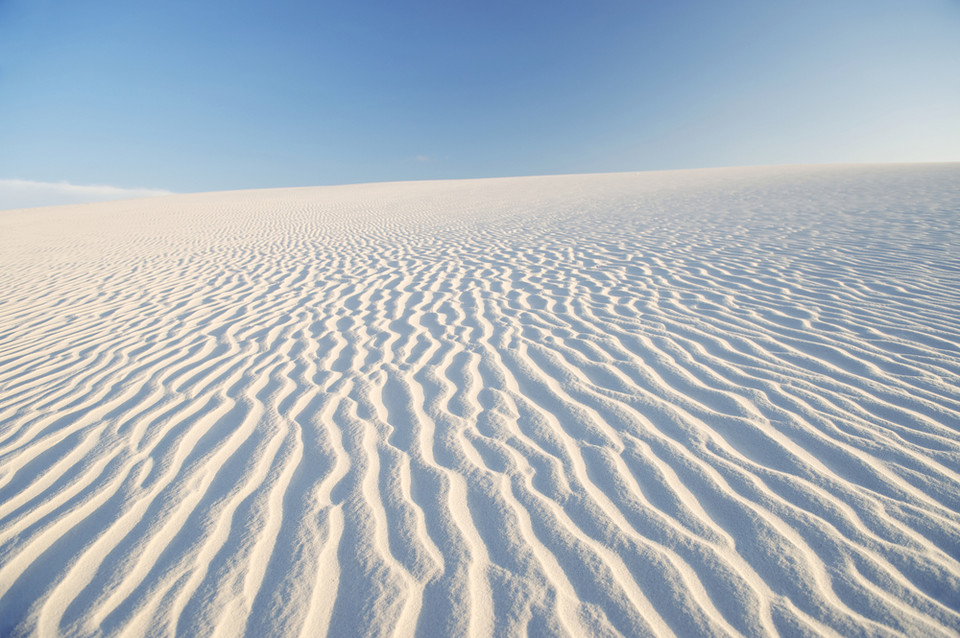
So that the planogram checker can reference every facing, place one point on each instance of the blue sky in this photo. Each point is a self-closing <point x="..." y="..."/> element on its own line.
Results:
<point x="196" y="96"/>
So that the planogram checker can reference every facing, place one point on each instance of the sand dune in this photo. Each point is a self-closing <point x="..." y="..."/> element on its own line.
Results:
<point x="714" y="402"/>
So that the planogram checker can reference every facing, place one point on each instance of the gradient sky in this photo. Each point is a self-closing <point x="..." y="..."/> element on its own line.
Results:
<point x="197" y="96"/>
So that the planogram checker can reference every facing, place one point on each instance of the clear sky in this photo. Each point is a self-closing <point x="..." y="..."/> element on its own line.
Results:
<point x="208" y="95"/>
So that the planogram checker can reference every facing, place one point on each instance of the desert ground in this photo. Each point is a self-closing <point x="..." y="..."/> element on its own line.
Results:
<point x="695" y="403"/>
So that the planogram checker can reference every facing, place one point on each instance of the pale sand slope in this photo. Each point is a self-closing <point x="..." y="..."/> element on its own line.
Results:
<point x="695" y="403"/>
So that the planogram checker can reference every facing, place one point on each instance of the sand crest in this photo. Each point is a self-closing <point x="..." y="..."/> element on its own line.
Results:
<point x="684" y="403"/>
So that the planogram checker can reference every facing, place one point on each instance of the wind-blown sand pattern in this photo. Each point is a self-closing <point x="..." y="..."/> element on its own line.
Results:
<point x="685" y="403"/>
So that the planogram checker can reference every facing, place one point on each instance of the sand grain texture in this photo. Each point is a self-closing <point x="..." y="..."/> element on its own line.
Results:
<point x="721" y="402"/>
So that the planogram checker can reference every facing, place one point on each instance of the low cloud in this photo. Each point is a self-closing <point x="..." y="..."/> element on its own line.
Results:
<point x="24" y="193"/>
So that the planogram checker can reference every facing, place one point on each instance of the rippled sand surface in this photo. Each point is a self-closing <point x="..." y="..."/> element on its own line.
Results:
<point x="688" y="403"/>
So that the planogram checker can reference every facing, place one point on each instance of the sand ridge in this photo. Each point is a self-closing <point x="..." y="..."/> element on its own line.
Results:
<point x="719" y="402"/>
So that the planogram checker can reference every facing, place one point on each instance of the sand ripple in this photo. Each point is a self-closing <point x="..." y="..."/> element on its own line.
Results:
<point x="693" y="403"/>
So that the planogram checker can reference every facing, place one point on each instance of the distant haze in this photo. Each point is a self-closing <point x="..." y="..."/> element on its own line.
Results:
<point x="231" y="95"/>
<point x="21" y="193"/>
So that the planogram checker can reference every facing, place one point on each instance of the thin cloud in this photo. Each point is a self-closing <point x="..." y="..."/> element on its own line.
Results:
<point x="24" y="193"/>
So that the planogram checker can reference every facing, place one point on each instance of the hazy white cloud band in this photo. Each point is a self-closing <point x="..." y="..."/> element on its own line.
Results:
<point x="24" y="193"/>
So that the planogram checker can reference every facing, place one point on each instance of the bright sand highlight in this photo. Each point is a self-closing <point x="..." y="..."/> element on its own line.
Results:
<point x="685" y="403"/>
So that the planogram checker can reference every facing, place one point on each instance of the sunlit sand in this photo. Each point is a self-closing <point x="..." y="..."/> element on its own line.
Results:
<point x="711" y="402"/>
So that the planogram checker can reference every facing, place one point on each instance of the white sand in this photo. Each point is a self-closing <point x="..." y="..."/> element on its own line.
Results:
<point x="697" y="402"/>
